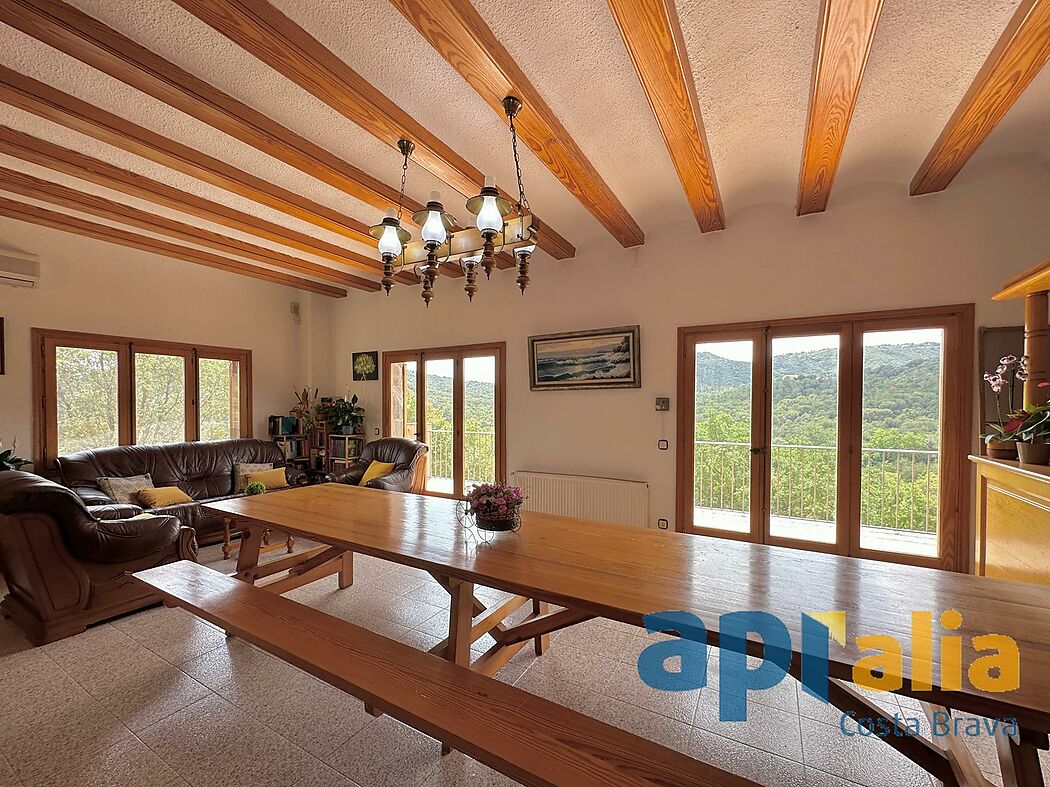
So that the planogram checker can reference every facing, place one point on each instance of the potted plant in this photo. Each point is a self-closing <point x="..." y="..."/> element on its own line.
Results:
<point x="1032" y="433"/>
<point x="1001" y="442"/>
<point x="345" y="416"/>
<point x="255" y="488"/>
<point x="8" y="460"/>
<point x="305" y="409"/>
<point x="495" y="506"/>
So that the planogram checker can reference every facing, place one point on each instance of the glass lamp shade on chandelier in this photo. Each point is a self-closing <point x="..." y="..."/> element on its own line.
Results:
<point x="499" y="225"/>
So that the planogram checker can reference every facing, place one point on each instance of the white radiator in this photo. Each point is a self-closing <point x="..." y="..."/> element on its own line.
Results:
<point x="600" y="499"/>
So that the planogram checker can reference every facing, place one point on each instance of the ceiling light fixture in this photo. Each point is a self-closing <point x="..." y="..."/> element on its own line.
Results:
<point x="469" y="248"/>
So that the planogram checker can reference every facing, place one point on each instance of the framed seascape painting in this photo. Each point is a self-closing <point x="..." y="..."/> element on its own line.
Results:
<point x="603" y="358"/>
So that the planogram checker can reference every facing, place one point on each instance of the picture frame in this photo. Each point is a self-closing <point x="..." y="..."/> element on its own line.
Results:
<point x="365" y="366"/>
<point x="993" y="344"/>
<point x="600" y="358"/>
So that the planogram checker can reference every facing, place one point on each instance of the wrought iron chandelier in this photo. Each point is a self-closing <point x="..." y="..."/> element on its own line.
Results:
<point x="494" y="230"/>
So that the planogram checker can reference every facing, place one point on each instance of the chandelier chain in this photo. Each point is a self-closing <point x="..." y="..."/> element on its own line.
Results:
<point x="523" y="202"/>
<point x="401" y="195"/>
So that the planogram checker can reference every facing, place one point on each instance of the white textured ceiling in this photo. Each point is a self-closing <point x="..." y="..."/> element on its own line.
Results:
<point x="751" y="60"/>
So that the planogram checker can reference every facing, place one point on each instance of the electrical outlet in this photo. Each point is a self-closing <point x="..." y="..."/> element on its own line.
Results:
<point x="662" y="524"/>
<point x="663" y="404"/>
<point x="663" y="445"/>
<point x="377" y="431"/>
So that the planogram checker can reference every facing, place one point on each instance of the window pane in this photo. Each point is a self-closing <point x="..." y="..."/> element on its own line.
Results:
<point x="219" y="391"/>
<point x="440" y="411"/>
<point x="403" y="400"/>
<point x="160" y="398"/>
<point x="804" y="451"/>
<point x="722" y="436"/>
<point x="86" y="394"/>
<point x="479" y="421"/>
<point x="901" y="438"/>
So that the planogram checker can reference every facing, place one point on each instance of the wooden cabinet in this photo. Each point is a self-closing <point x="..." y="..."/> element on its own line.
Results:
<point x="1013" y="520"/>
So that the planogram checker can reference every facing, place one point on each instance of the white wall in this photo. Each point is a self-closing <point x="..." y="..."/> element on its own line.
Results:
<point x="874" y="249"/>
<point x="91" y="286"/>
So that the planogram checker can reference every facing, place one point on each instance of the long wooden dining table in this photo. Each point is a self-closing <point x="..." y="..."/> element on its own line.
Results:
<point x="591" y="569"/>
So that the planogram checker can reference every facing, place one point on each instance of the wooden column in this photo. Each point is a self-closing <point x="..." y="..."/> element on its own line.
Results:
<point x="1035" y="347"/>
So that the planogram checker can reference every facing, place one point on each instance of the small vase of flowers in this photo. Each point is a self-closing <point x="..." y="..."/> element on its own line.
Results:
<point x="1001" y="441"/>
<point x="495" y="506"/>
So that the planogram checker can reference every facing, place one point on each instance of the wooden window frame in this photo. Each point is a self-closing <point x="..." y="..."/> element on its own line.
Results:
<point x="45" y="415"/>
<point x="957" y="394"/>
<point x="457" y="354"/>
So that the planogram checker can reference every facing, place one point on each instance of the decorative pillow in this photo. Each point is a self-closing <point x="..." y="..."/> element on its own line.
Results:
<point x="271" y="479"/>
<point x="377" y="470"/>
<point x="124" y="490"/>
<point x="240" y="475"/>
<point x="163" y="496"/>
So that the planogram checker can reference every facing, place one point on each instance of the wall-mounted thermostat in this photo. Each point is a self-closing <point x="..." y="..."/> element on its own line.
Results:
<point x="663" y="404"/>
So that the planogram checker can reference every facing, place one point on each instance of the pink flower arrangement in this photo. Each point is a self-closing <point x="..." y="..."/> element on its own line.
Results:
<point x="495" y="501"/>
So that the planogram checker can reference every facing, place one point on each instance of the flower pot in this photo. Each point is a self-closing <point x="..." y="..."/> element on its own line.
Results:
<point x="485" y="523"/>
<point x="1034" y="453"/>
<point x="1001" y="449"/>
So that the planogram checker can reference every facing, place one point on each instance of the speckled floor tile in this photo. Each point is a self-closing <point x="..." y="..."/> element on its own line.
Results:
<point x="386" y="754"/>
<point x="173" y="634"/>
<point x="213" y="743"/>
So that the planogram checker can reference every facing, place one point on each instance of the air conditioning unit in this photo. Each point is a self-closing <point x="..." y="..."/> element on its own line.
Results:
<point x="19" y="270"/>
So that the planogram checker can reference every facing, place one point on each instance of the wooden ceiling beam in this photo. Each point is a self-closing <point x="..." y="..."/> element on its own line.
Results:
<point x="35" y="188"/>
<point x="459" y="34"/>
<point x="71" y="31"/>
<point x="653" y="36"/>
<point x="262" y="30"/>
<point x="844" y="37"/>
<point x="89" y="229"/>
<point x="66" y="110"/>
<point x="1020" y="53"/>
<point x="46" y="154"/>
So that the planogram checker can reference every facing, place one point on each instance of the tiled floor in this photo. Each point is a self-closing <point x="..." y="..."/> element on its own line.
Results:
<point x="161" y="698"/>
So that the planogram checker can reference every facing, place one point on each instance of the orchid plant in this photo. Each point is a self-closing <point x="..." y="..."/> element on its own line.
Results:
<point x="495" y="501"/>
<point x="1027" y="424"/>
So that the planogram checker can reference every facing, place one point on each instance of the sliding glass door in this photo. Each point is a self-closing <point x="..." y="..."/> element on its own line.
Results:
<point x="841" y="434"/>
<point x="451" y="399"/>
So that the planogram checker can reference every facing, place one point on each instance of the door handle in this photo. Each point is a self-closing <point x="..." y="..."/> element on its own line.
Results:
<point x="758" y="450"/>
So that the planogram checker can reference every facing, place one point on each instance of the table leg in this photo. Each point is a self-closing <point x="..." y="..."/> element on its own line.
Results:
<point x="289" y="543"/>
<point x="248" y="555"/>
<point x="542" y="642"/>
<point x="1019" y="762"/>
<point x="346" y="570"/>
<point x="227" y="548"/>
<point x="460" y="620"/>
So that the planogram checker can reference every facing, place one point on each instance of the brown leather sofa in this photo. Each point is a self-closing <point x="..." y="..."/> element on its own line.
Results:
<point x="65" y="568"/>
<point x="410" y="465"/>
<point x="203" y="470"/>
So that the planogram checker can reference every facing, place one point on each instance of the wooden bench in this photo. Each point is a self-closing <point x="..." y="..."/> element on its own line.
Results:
<point x="526" y="737"/>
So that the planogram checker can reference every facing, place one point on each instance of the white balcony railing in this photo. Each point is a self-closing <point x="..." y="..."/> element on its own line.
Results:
<point x="899" y="486"/>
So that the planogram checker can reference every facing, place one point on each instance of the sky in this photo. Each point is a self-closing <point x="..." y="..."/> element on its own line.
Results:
<point x="741" y="350"/>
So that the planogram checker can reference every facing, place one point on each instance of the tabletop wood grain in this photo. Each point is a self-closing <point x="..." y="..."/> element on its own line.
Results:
<point x="624" y="573"/>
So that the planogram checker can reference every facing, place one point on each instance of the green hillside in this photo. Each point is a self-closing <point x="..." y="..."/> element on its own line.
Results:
<point x="901" y="397"/>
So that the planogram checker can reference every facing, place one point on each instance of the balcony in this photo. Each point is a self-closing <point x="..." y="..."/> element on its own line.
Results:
<point x="479" y="459"/>
<point x="899" y="494"/>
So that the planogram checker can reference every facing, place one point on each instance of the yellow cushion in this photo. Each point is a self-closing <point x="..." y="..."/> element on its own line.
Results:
<point x="271" y="479"/>
<point x="163" y="496"/>
<point x="376" y="470"/>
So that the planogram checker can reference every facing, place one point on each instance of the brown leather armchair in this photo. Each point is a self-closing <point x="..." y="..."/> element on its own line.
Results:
<point x="66" y="568"/>
<point x="410" y="465"/>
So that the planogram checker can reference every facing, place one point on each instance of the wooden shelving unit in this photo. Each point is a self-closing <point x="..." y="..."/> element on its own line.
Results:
<point x="343" y="450"/>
